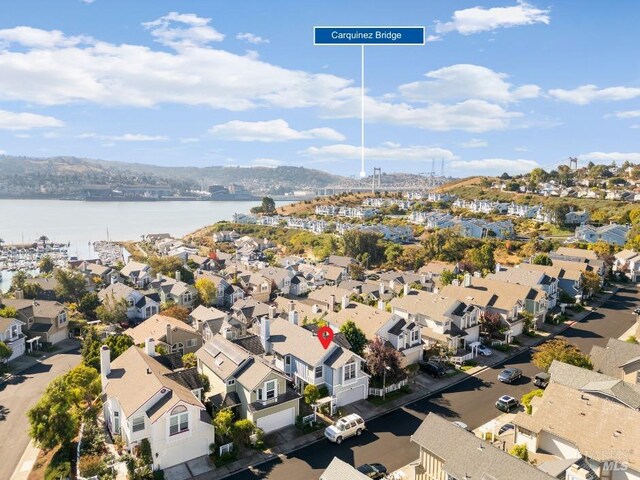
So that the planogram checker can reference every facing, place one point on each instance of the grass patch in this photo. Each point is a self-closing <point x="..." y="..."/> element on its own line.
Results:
<point x="223" y="460"/>
<point x="379" y="401"/>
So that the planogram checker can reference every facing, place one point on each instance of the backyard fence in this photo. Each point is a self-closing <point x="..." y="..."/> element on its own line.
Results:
<point x="379" y="392"/>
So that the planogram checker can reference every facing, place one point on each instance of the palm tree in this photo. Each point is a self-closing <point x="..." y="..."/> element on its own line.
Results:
<point x="43" y="239"/>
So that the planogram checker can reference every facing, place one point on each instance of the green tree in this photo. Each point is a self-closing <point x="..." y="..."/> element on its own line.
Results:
<point x="18" y="281"/>
<point x="112" y="311"/>
<point x="189" y="360"/>
<point x="88" y="305"/>
<point x="392" y="252"/>
<point x="241" y="432"/>
<point x="561" y="350"/>
<point x="537" y="175"/>
<point x="46" y="264"/>
<point x="84" y="386"/>
<point x="527" y="397"/>
<point x="118" y="344"/>
<point x="52" y="420"/>
<point x="70" y="285"/>
<point x="8" y="312"/>
<point x="357" y="242"/>
<point x="355" y="336"/>
<point x="447" y="277"/>
<point x="311" y="394"/>
<point x="206" y="383"/>
<point x="207" y="291"/>
<point x="223" y="423"/>
<point x="542" y="259"/>
<point x="520" y="451"/>
<point x="5" y="352"/>
<point x="268" y="205"/>
<point x="590" y="282"/>
<point x="482" y="258"/>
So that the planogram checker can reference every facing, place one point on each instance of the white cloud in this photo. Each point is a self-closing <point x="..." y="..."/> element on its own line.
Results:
<point x="386" y="151"/>
<point x="270" y="131"/>
<point x="88" y="2"/>
<point x="464" y="81"/>
<point x="480" y="19"/>
<point x="266" y="162"/>
<point x="475" y="143"/>
<point x="179" y="30"/>
<point x="252" y="38"/>
<point x="127" y="137"/>
<point x="39" y="39"/>
<point x="589" y="93"/>
<point x="3" y="152"/>
<point x="26" y="121"/>
<point x="189" y="140"/>
<point x="434" y="38"/>
<point x="491" y="165"/>
<point x="610" y="156"/>
<point x="626" y="114"/>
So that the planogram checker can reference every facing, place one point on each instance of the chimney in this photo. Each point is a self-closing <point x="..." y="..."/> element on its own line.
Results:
<point x="345" y="301"/>
<point x="293" y="317"/>
<point x="381" y="305"/>
<point x="105" y="364"/>
<point x="392" y="284"/>
<point x="159" y="276"/>
<point x="455" y="282"/>
<point x="290" y="306"/>
<point x="423" y="278"/>
<point x="477" y="274"/>
<point x="332" y="303"/>
<point x="178" y="275"/>
<point x="498" y="267"/>
<point x="382" y="288"/>
<point x="150" y="347"/>
<point x="19" y="294"/>
<point x="467" y="279"/>
<point x="272" y="311"/>
<point x="114" y="278"/>
<point x="265" y="333"/>
<point x="407" y="288"/>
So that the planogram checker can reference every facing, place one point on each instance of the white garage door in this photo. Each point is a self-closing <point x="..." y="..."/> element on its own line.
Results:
<point x="350" y="396"/>
<point x="57" y="337"/>
<point x="277" y="420"/>
<point x="557" y="446"/>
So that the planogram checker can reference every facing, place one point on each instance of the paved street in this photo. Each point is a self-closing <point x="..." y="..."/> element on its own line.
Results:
<point x="20" y="394"/>
<point x="472" y="401"/>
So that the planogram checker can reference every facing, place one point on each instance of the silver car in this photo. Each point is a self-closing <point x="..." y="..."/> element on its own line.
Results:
<point x="344" y="428"/>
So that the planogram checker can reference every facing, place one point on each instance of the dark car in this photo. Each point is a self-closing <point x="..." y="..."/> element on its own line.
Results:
<point x="373" y="470"/>
<point x="433" y="368"/>
<point x="506" y="403"/>
<point x="541" y="379"/>
<point x="510" y="375"/>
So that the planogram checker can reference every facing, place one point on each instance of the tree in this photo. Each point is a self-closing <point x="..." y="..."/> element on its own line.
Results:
<point x="207" y="291"/>
<point x="447" y="277"/>
<point x="118" y="344"/>
<point x="112" y="311"/>
<point x="177" y="312"/>
<point x="357" y="242"/>
<point x="5" y="352"/>
<point x="46" y="264"/>
<point x="537" y="175"/>
<point x="490" y="323"/>
<point x="482" y="258"/>
<point x="70" y="285"/>
<point x="189" y="360"/>
<point x="91" y="344"/>
<point x="165" y="265"/>
<point x="223" y="421"/>
<point x="52" y="420"/>
<point x="206" y="383"/>
<point x="356" y="271"/>
<point x="44" y="239"/>
<point x="590" y="283"/>
<point x="268" y="205"/>
<point x="84" y="386"/>
<point x="542" y="259"/>
<point x="241" y="432"/>
<point x="520" y="451"/>
<point x="354" y="336"/>
<point x="88" y="305"/>
<point x="382" y="358"/>
<point x="311" y="394"/>
<point x="527" y="397"/>
<point x="392" y="252"/>
<point x="18" y="281"/>
<point x="561" y="350"/>
<point x="8" y="312"/>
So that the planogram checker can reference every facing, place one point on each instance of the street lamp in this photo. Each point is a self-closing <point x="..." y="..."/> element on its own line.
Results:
<point x="384" y="382"/>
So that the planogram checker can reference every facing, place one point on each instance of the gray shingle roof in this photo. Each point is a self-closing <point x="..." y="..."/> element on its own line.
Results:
<point x="339" y="470"/>
<point x="610" y="359"/>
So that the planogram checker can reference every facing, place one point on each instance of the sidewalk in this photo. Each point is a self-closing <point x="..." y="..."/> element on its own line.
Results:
<point x="420" y="389"/>
<point x="25" y="361"/>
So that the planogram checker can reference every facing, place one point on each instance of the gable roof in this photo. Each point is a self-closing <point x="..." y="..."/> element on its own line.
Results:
<point x="324" y="294"/>
<point x="617" y="354"/>
<point x="339" y="470"/>
<point x="289" y="339"/>
<point x="133" y="267"/>
<point x="117" y="290"/>
<point x="466" y="456"/>
<point x="222" y="356"/>
<point x="431" y="305"/>
<point x="5" y="323"/>
<point x="156" y="327"/>
<point x="340" y="260"/>
<point x="369" y="319"/>
<point x="36" y="308"/>
<point x="577" y="252"/>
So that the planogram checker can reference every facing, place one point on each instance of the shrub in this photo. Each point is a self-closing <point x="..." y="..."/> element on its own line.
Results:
<point x="632" y="339"/>
<point x="91" y="465"/>
<point x="93" y="440"/>
<point x="145" y="452"/>
<point x="520" y="451"/>
<point x="222" y="460"/>
<point x="527" y="397"/>
<point x="60" y="466"/>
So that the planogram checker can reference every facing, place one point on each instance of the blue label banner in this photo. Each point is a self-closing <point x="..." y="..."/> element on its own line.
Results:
<point x="368" y="36"/>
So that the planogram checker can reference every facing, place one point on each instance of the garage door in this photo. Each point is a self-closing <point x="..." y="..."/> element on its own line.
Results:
<point x="557" y="446"/>
<point x="277" y="420"/>
<point x="18" y="349"/>
<point x="57" y="337"/>
<point x="350" y="396"/>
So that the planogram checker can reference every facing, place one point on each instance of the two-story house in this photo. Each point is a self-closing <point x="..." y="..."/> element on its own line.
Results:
<point x="11" y="335"/>
<point x="628" y="262"/>
<point x="43" y="319"/>
<point x="522" y="275"/>
<point x="174" y="290"/>
<point x="143" y="399"/>
<point x="247" y="384"/>
<point x="280" y="278"/>
<point x="445" y="321"/>
<point x="617" y="359"/>
<point x="402" y="333"/>
<point x="208" y="321"/>
<point x="175" y="335"/>
<point x="140" y="305"/>
<point x="139" y="274"/>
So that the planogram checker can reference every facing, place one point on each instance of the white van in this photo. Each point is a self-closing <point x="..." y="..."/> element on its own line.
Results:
<point x="344" y="428"/>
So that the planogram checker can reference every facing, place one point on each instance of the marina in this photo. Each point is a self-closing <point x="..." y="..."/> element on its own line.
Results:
<point x="27" y="257"/>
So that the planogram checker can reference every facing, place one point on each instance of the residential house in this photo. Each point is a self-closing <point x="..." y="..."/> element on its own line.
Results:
<point x="339" y="470"/>
<point x="139" y="274"/>
<point x="613" y="233"/>
<point x="577" y="253"/>
<point x="202" y="263"/>
<point x="225" y="236"/>
<point x="297" y="352"/>
<point x="341" y="261"/>
<point x="208" y="321"/>
<point x="574" y="423"/>
<point x="258" y="286"/>
<point x="11" y="335"/>
<point x="531" y="278"/>
<point x="445" y="321"/>
<point x="140" y="305"/>
<point x="245" y="313"/>
<point x="174" y="290"/>
<point x="401" y="333"/>
<point x="280" y="278"/>
<point x="228" y="294"/>
<point x="569" y="276"/>
<point x="448" y="452"/>
<point x="576" y="218"/>
<point x="143" y="399"/>
<point x="315" y="274"/>
<point x="307" y="308"/>
<point x="299" y="285"/>
<point x="94" y="270"/>
<point x="248" y="384"/>
<point x="44" y="320"/>
<point x="176" y="335"/>
<point x="334" y="274"/>
<point x="618" y="359"/>
<point x="331" y="297"/>
<point x="628" y="262"/>
<point x="47" y="290"/>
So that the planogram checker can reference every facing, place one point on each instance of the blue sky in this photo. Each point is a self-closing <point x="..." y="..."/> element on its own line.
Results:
<point x="499" y="86"/>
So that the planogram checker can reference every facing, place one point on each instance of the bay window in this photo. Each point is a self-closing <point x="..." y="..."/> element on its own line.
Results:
<point x="179" y="420"/>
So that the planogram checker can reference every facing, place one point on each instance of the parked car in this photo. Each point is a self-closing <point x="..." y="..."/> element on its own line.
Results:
<point x="509" y="375"/>
<point x="345" y="427"/>
<point x="435" y="369"/>
<point x="484" y="351"/>
<point x="462" y="425"/>
<point x="507" y="403"/>
<point x="541" y="379"/>
<point x="505" y="428"/>
<point x="373" y="470"/>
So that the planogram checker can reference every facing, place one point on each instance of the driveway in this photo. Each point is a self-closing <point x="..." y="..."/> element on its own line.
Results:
<point x="17" y="396"/>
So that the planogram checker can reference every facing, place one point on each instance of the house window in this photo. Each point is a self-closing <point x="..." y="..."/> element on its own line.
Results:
<point x="319" y="371"/>
<point x="179" y="420"/>
<point x="14" y="331"/>
<point x="62" y="319"/>
<point x="350" y="371"/>
<point x="138" y="424"/>
<point x="415" y="336"/>
<point x="231" y="382"/>
<point x="116" y="422"/>
<point x="192" y="342"/>
<point x="187" y="297"/>
<point x="270" y="389"/>
<point x="130" y="302"/>
<point x="177" y="348"/>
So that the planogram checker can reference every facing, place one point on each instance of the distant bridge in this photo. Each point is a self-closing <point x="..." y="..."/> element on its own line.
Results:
<point x="367" y="185"/>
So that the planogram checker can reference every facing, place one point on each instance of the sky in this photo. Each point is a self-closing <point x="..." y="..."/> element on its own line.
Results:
<point x="499" y="85"/>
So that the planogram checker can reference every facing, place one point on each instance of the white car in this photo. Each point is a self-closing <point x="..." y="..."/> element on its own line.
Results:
<point x="344" y="428"/>
<point x="484" y="351"/>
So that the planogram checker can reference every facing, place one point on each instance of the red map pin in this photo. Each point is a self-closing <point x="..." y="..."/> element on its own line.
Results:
<point x="325" y="335"/>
